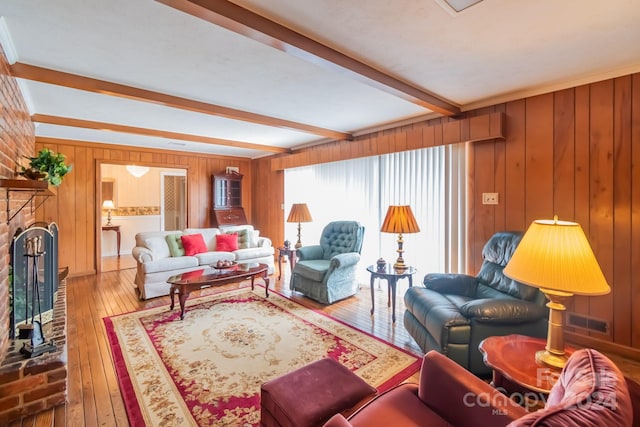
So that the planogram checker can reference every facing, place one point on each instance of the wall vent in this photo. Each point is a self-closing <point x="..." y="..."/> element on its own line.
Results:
<point x="589" y="323"/>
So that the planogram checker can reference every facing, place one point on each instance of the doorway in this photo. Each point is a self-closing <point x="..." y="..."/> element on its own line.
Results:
<point x="173" y="211"/>
<point x="154" y="200"/>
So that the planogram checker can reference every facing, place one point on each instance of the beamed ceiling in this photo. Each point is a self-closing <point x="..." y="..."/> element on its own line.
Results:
<point x="251" y="78"/>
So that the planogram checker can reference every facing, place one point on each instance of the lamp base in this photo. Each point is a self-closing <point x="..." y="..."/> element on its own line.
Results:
<point x="545" y="357"/>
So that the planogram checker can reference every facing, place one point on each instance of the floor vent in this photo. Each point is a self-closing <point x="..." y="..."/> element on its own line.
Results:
<point x="589" y="323"/>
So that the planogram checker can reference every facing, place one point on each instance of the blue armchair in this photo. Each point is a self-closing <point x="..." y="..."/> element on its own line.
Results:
<point x="327" y="272"/>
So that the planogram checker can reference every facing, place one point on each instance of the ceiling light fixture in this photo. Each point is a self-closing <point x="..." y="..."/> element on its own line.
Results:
<point x="137" y="171"/>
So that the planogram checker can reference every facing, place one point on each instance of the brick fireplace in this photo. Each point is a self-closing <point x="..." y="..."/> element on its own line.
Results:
<point x="31" y="385"/>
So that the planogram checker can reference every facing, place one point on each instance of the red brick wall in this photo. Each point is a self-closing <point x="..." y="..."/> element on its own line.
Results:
<point x="17" y="139"/>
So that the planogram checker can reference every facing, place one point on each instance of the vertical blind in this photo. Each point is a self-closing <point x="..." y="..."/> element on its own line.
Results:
<point x="431" y="180"/>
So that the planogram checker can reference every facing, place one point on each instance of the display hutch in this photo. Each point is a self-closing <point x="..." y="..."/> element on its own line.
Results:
<point x="227" y="200"/>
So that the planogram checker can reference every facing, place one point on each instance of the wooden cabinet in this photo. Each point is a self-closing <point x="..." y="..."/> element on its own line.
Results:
<point x="227" y="200"/>
<point x="227" y="191"/>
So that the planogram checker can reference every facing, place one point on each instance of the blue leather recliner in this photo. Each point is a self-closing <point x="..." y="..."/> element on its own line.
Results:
<point x="327" y="272"/>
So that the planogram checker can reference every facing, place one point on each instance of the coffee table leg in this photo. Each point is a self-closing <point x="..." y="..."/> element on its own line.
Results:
<point x="182" y="296"/>
<point x="266" y="284"/>
<point x="171" y="292"/>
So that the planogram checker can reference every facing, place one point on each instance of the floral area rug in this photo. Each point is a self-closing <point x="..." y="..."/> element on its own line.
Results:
<point x="207" y="369"/>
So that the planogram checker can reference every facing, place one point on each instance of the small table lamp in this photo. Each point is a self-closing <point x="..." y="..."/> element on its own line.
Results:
<point x="299" y="213"/>
<point x="108" y="205"/>
<point x="555" y="256"/>
<point x="400" y="220"/>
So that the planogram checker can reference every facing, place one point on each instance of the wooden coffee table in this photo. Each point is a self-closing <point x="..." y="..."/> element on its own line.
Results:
<point x="190" y="281"/>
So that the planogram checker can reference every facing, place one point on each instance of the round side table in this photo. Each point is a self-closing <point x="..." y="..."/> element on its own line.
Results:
<point x="392" y="276"/>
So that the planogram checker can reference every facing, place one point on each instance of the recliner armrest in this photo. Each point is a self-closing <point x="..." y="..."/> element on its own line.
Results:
<point x="457" y="284"/>
<point x="502" y="310"/>
<point x="344" y="260"/>
<point x="310" y="252"/>
<point x="459" y="396"/>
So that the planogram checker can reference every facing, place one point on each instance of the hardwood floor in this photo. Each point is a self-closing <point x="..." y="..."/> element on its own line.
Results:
<point x="93" y="394"/>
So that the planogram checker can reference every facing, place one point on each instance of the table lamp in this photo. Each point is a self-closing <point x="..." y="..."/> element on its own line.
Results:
<point x="108" y="205"/>
<point x="555" y="256"/>
<point x="299" y="213"/>
<point x="400" y="220"/>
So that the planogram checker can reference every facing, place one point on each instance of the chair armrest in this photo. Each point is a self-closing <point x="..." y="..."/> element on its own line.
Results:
<point x="142" y="254"/>
<point x="344" y="260"/>
<point x="457" y="284"/>
<point x="459" y="396"/>
<point x="337" y="421"/>
<point x="502" y="310"/>
<point x="310" y="252"/>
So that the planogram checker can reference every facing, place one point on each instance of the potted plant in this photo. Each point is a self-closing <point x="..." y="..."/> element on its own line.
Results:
<point x="47" y="165"/>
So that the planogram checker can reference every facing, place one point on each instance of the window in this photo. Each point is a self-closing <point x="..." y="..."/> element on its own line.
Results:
<point x="431" y="180"/>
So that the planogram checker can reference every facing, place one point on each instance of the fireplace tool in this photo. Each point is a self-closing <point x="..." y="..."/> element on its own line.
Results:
<point x="37" y="344"/>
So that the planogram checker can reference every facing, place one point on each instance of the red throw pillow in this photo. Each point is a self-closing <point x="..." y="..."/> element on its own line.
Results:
<point x="193" y="244"/>
<point x="227" y="242"/>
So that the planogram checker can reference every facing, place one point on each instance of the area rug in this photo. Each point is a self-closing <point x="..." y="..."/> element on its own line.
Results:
<point x="207" y="369"/>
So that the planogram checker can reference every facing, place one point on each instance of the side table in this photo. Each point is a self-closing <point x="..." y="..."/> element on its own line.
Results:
<point x="290" y="253"/>
<point x="515" y="370"/>
<point x="391" y="276"/>
<point x="115" y="228"/>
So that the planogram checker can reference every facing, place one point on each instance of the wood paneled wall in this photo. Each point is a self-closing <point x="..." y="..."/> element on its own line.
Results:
<point x="76" y="208"/>
<point x="574" y="153"/>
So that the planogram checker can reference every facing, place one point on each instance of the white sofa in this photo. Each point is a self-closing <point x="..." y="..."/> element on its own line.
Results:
<point x="155" y="263"/>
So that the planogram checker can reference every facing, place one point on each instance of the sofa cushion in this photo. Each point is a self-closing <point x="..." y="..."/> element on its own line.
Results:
<point x="313" y="269"/>
<point x="193" y="244"/>
<point x="253" y="234"/>
<point x="591" y="390"/>
<point x="227" y="242"/>
<point x="175" y="244"/>
<point x="171" y="263"/>
<point x="244" y="254"/>
<point x="211" y="257"/>
<point x="208" y="234"/>
<point x="158" y="247"/>
<point x="244" y="240"/>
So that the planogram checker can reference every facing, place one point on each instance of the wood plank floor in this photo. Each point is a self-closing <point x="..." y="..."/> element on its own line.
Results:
<point x="93" y="394"/>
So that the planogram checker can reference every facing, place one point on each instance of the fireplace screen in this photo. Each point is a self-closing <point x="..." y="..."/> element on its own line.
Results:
<point x="34" y="280"/>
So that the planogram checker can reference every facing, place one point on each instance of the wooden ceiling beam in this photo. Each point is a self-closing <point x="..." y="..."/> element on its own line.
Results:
<point x="74" y="81"/>
<point x="87" y="124"/>
<point x="243" y="21"/>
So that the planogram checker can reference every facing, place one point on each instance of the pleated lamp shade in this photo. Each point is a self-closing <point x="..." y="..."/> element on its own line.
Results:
<point x="400" y="219"/>
<point x="556" y="255"/>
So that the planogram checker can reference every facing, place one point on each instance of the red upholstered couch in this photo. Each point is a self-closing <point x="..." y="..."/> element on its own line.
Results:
<point x="591" y="391"/>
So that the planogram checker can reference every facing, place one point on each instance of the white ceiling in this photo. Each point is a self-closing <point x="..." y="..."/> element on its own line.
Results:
<point x="491" y="52"/>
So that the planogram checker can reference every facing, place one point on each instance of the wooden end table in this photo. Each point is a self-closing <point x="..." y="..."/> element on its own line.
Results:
<point x="115" y="228"/>
<point x="190" y="281"/>
<point x="391" y="276"/>
<point x="291" y="255"/>
<point x="515" y="370"/>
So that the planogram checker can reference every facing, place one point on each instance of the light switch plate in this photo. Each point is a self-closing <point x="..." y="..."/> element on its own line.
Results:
<point x="489" y="198"/>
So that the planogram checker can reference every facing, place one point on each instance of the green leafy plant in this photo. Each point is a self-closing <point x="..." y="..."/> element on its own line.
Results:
<point x="47" y="165"/>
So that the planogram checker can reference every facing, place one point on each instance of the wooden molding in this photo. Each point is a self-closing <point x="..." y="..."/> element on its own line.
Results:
<point x="256" y="27"/>
<point x="74" y="81"/>
<point x="87" y="124"/>
<point x="419" y="135"/>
